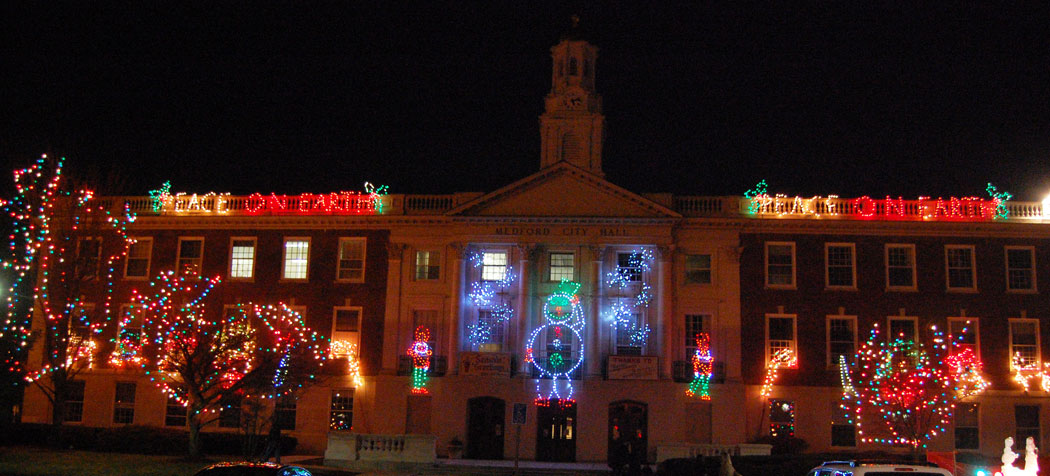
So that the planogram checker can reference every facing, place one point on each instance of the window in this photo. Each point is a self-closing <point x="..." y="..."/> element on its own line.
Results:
<point x="695" y="324"/>
<point x="967" y="427"/>
<point x="131" y="323"/>
<point x="961" y="272"/>
<point x="124" y="403"/>
<point x="563" y="266"/>
<point x="428" y="318"/>
<point x="628" y="268"/>
<point x="1024" y="342"/>
<point x="137" y="264"/>
<point x="494" y="343"/>
<point x="780" y="265"/>
<point x="780" y="334"/>
<point x="493" y="265"/>
<point x="1026" y="419"/>
<point x="781" y="418"/>
<point x="428" y="265"/>
<point x="284" y="408"/>
<point x="840" y="272"/>
<point x="174" y="413"/>
<point x="296" y="258"/>
<point x="89" y="254"/>
<point x="80" y="322"/>
<point x="842" y="338"/>
<point x="900" y="267"/>
<point x="843" y="432"/>
<point x="346" y="323"/>
<point x="903" y="328"/>
<point x="1020" y="268"/>
<point x="352" y="260"/>
<point x="341" y="415"/>
<point x="626" y="340"/>
<point x="964" y="332"/>
<point x="75" y="401"/>
<point x="697" y="269"/>
<point x="230" y="412"/>
<point x="191" y="255"/>
<point x="242" y="258"/>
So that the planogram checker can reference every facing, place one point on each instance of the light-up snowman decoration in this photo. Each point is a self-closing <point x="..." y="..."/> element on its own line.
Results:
<point x="555" y="348"/>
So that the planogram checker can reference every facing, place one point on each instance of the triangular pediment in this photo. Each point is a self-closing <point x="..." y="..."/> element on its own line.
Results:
<point x="563" y="190"/>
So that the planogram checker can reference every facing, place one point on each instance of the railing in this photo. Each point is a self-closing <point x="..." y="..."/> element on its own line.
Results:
<point x="438" y="365"/>
<point x="349" y="447"/>
<point x="428" y="204"/>
<point x="682" y="371"/>
<point x="666" y="451"/>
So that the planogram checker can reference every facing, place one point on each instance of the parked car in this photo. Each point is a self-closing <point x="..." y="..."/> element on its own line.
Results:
<point x="876" y="468"/>
<point x="247" y="468"/>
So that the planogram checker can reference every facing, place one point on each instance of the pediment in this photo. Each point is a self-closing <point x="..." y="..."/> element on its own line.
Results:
<point x="563" y="190"/>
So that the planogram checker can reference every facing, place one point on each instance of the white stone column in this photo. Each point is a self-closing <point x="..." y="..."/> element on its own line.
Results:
<point x="524" y="305"/>
<point x="593" y="331"/>
<point x="454" y="333"/>
<point x="664" y="308"/>
<point x="392" y="314"/>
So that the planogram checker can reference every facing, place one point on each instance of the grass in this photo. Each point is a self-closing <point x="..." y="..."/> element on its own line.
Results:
<point x="26" y="461"/>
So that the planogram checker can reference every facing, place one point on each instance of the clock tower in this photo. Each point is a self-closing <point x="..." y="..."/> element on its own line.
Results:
<point x="572" y="123"/>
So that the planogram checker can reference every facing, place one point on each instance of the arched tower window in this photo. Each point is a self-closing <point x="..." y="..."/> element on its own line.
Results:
<point x="571" y="149"/>
<point x="572" y="67"/>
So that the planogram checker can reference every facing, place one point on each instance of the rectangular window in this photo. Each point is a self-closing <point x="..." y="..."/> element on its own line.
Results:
<point x="843" y="432"/>
<point x="842" y="338"/>
<point x="347" y="319"/>
<point x="840" y="271"/>
<point x="967" y="426"/>
<point x="131" y="323"/>
<point x="242" y="258"/>
<point x="964" y="332"/>
<point x="695" y="324"/>
<point x="1020" y="268"/>
<point x="124" y="403"/>
<point x="230" y="412"/>
<point x="191" y="255"/>
<point x="697" y="269"/>
<point x="780" y="265"/>
<point x="89" y="254"/>
<point x="428" y="265"/>
<point x="900" y="267"/>
<point x="341" y="415"/>
<point x="562" y="266"/>
<point x="174" y="413"/>
<point x="429" y="319"/>
<point x="75" y="401"/>
<point x="296" y="258"/>
<point x="961" y="270"/>
<point x="781" y="418"/>
<point x="1024" y="342"/>
<point x="351" y="260"/>
<point x="626" y="340"/>
<point x="284" y="408"/>
<point x="136" y="266"/>
<point x="627" y="268"/>
<point x="903" y="328"/>
<point x="493" y="265"/>
<point x="780" y="334"/>
<point x="1026" y="418"/>
<point x="494" y="343"/>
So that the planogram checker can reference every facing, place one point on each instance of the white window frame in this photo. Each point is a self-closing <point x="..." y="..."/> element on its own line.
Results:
<point x="914" y="278"/>
<point x="1038" y="343"/>
<point x="973" y="328"/>
<point x="119" y="405"/>
<point x="973" y="269"/>
<point x="331" y="402"/>
<point x="433" y="325"/>
<point x="794" y="330"/>
<point x="149" y="257"/>
<point x="706" y="320"/>
<point x="955" y="426"/>
<point x="485" y="265"/>
<point x="710" y="269"/>
<point x="495" y="345"/>
<point x="642" y="320"/>
<point x="794" y="265"/>
<point x="1006" y="262"/>
<point x="550" y="265"/>
<point x="98" y="256"/>
<point x="284" y="258"/>
<point x="432" y="256"/>
<point x="914" y="320"/>
<point x="179" y="268"/>
<point x="255" y="252"/>
<point x="827" y="347"/>
<point x="852" y="265"/>
<point x="353" y="336"/>
<point x="339" y="258"/>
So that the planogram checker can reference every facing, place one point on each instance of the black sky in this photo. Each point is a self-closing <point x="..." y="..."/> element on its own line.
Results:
<point x="434" y="98"/>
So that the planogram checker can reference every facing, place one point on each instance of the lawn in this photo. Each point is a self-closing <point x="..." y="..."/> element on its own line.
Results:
<point x="26" y="461"/>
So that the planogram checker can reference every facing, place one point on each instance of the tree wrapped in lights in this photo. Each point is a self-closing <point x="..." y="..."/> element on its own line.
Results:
<point x="203" y="355"/>
<point x="65" y="245"/>
<point x="907" y="389"/>
<point x="703" y="368"/>
<point x="420" y="352"/>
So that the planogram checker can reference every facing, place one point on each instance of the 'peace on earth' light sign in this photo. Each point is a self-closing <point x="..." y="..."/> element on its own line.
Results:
<point x="369" y="202"/>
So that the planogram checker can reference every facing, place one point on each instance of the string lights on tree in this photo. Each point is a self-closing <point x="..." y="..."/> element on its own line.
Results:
<point x="555" y="348"/>
<point x="703" y="368"/>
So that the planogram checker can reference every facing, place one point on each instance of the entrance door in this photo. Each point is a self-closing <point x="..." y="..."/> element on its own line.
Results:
<point x="556" y="432"/>
<point x="628" y="432"/>
<point x="485" y="420"/>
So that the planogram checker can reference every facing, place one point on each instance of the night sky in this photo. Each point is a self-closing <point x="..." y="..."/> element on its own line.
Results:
<point x="437" y="98"/>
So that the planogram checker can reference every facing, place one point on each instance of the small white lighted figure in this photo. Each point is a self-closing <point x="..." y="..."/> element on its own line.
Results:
<point x="1031" y="463"/>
